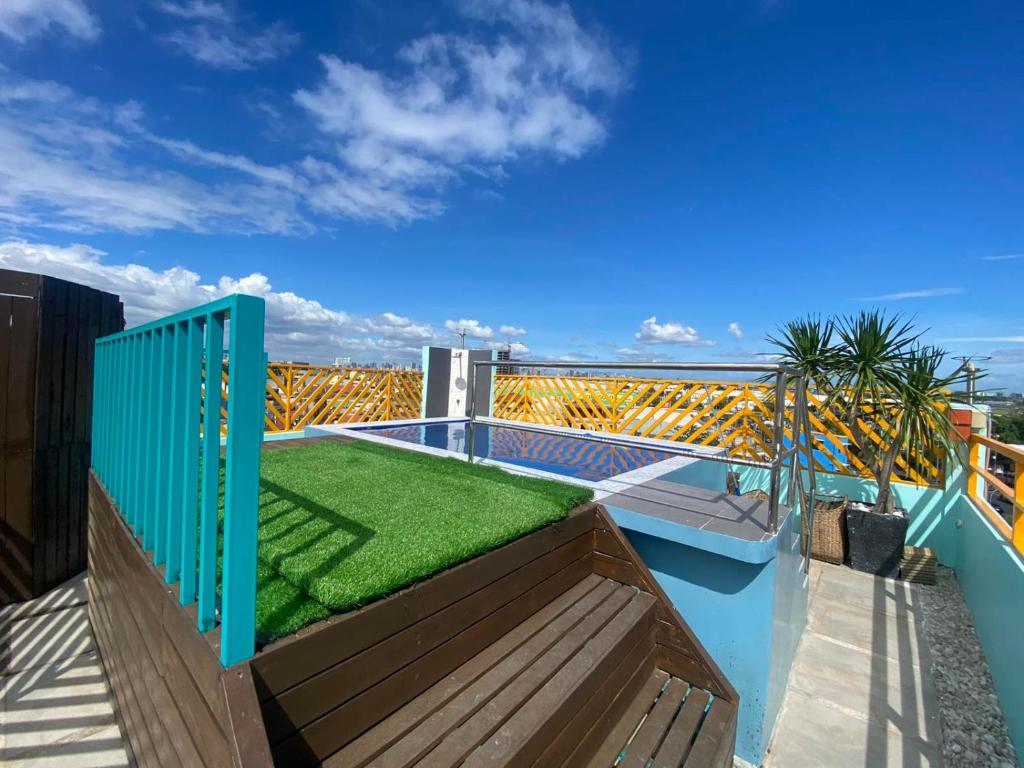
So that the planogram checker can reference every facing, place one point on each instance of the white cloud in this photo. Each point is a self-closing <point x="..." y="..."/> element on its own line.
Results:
<point x="466" y="106"/>
<point x="517" y="348"/>
<point x="512" y="330"/>
<point x="214" y="36"/>
<point x="921" y="293"/>
<point x="195" y="10"/>
<point x="473" y="328"/>
<point x="640" y="355"/>
<point x="71" y="162"/>
<point x="1004" y="257"/>
<point x="739" y="353"/>
<point x="298" y="328"/>
<point x="653" y="332"/>
<point x="76" y="163"/>
<point x="22" y="19"/>
<point x="735" y="330"/>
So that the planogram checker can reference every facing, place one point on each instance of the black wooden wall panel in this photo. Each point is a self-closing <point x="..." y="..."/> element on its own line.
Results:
<point x="46" y="364"/>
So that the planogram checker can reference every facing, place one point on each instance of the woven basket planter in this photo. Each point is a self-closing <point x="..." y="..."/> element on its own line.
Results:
<point x="829" y="540"/>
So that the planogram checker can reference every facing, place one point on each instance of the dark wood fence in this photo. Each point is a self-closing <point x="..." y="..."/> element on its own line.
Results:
<point x="47" y="332"/>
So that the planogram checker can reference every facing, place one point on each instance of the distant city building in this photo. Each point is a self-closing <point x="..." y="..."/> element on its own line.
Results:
<point x="504" y="354"/>
<point x="343" y="362"/>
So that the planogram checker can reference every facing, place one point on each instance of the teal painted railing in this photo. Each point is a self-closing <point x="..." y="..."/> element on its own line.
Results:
<point x="155" y="425"/>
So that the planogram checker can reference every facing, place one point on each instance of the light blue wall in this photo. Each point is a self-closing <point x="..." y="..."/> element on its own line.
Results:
<point x="989" y="571"/>
<point x="788" y="618"/>
<point x="700" y="474"/>
<point x="933" y="512"/>
<point x="991" y="576"/>
<point x="729" y="605"/>
<point x="748" y="612"/>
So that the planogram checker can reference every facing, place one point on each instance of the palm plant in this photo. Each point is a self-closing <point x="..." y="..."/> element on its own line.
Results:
<point x="806" y="344"/>
<point x="868" y="362"/>
<point x="875" y="371"/>
<point x="919" y="405"/>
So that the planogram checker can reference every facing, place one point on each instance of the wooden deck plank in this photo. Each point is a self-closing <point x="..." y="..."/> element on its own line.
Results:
<point x="588" y="744"/>
<point x="422" y="738"/>
<point x="458" y="744"/>
<point x="603" y="598"/>
<point x="291" y="661"/>
<point x="715" y="739"/>
<point x="679" y="740"/>
<point x="684" y="642"/>
<point x="539" y="653"/>
<point x="521" y="738"/>
<point x="327" y="734"/>
<point x="300" y="705"/>
<point x="637" y="664"/>
<point x="623" y="728"/>
<point x="390" y="730"/>
<point x="647" y="740"/>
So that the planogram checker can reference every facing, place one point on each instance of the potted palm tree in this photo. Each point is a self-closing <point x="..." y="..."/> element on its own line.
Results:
<point x="882" y="383"/>
<point x="896" y="403"/>
<point x="917" y="410"/>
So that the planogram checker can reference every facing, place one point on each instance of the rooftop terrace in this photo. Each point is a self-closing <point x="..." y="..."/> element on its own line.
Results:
<point x="344" y="597"/>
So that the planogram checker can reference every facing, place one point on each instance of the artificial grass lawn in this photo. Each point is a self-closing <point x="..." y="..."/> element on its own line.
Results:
<point x="343" y="524"/>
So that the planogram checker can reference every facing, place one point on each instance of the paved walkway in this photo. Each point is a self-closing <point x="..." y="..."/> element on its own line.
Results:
<point x="55" y="706"/>
<point x="860" y="693"/>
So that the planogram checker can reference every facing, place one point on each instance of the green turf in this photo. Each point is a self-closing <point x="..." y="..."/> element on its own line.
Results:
<point x="342" y="524"/>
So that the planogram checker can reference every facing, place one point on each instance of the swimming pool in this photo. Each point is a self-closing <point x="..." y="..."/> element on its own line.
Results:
<point x="565" y="455"/>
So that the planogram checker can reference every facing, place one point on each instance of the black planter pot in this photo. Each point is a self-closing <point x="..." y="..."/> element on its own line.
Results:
<point x="875" y="540"/>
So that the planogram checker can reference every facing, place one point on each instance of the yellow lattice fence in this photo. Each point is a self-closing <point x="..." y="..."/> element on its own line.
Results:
<point x="733" y="416"/>
<point x="300" y="396"/>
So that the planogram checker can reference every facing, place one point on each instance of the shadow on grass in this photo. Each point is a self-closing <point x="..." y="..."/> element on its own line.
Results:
<point x="272" y="493"/>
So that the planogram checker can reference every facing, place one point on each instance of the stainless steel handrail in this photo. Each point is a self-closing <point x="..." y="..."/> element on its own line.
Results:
<point x="801" y="427"/>
<point x="613" y="366"/>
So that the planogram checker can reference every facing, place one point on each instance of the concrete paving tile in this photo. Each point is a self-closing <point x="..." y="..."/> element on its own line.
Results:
<point x="53" y="703"/>
<point x="71" y="592"/>
<point x="813" y="733"/>
<point x="882" y="690"/>
<point x="100" y="748"/>
<point x="849" y="587"/>
<point x="56" y="709"/>
<point x="895" y="635"/>
<point x="45" y="639"/>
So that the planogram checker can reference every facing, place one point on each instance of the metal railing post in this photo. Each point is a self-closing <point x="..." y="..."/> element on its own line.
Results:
<point x="773" y="493"/>
<point x="794" y="464"/>
<point x="471" y="437"/>
<point x="812" y="484"/>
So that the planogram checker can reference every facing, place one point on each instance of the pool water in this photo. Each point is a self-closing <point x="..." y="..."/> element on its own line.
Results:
<point x="560" y="454"/>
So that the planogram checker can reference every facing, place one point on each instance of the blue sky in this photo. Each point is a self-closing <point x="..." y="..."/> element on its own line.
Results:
<point x="600" y="180"/>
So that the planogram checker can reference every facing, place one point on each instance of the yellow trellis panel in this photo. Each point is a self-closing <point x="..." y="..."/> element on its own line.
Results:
<point x="734" y="416"/>
<point x="299" y="396"/>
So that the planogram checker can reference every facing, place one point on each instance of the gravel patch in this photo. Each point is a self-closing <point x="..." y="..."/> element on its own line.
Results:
<point x="974" y="732"/>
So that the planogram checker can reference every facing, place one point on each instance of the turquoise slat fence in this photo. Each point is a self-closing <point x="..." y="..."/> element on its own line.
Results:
<point x="155" y="425"/>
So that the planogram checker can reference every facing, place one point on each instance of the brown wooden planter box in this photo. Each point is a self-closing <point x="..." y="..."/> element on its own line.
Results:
<point x="344" y="691"/>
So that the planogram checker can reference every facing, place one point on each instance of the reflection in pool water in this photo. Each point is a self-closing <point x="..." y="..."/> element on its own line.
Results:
<point x="561" y="454"/>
